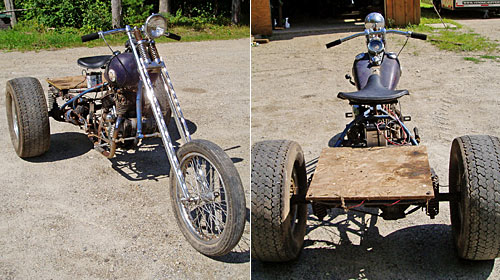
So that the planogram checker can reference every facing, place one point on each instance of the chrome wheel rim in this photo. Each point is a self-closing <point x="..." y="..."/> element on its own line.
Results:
<point x="205" y="212"/>
<point x="15" y="125"/>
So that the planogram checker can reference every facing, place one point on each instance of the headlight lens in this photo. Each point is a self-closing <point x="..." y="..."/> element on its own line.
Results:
<point x="156" y="25"/>
<point x="375" y="46"/>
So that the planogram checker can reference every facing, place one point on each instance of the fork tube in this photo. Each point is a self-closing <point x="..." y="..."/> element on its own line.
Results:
<point x="167" y="142"/>
<point x="174" y="104"/>
<point x="138" y="109"/>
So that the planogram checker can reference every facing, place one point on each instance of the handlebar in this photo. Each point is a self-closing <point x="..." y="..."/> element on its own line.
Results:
<point x="383" y="31"/>
<point x="173" y="36"/>
<point x="90" y="37"/>
<point x="96" y="35"/>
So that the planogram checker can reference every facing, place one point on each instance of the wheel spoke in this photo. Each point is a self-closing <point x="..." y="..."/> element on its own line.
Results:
<point x="206" y="211"/>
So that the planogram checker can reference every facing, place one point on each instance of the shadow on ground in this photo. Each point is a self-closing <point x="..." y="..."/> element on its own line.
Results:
<point x="407" y="253"/>
<point x="63" y="146"/>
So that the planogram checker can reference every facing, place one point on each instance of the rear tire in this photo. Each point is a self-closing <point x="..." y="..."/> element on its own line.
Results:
<point x="475" y="216"/>
<point x="28" y="117"/>
<point x="278" y="225"/>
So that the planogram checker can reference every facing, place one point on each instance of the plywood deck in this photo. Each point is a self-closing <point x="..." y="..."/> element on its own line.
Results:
<point x="379" y="173"/>
<point x="68" y="82"/>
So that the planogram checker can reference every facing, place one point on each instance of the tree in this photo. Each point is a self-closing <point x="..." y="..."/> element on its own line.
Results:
<point x="9" y="6"/>
<point x="236" y="11"/>
<point x="165" y="6"/>
<point x="116" y="13"/>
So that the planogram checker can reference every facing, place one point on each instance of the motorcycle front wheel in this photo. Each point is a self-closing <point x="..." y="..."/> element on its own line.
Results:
<point x="213" y="218"/>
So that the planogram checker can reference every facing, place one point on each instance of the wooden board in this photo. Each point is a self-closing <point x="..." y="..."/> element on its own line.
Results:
<point x="68" y="82"/>
<point x="378" y="173"/>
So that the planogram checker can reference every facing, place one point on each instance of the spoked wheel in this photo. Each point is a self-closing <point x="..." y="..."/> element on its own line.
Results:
<point x="278" y="224"/>
<point x="104" y="140"/>
<point x="213" y="218"/>
<point x="28" y="117"/>
<point x="475" y="180"/>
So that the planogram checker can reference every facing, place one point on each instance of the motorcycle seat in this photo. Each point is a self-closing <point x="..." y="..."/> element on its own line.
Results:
<point x="373" y="93"/>
<point x="94" y="62"/>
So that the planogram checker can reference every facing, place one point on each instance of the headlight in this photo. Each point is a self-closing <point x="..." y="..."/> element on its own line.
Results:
<point x="156" y="25"/>
<point x="375" y="46"/>
<point x="374" y="21"/>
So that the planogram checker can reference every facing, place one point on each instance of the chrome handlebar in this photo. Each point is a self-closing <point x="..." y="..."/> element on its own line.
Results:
<point x="383" y="31"/>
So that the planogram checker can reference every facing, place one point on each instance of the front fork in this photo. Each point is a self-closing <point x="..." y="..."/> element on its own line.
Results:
<point x="158" y="64"/>
<point x="162" y="126"/>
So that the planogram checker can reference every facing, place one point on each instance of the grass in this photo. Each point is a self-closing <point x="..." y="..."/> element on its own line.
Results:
<point x="26" y="36"/>
<point x="473" y="59"/>
<point x="490" y="56"/>
<point x="455" y="39"/>
<point x="481" y="58"/>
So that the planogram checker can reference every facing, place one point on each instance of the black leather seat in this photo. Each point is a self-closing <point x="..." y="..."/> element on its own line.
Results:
<point x="94" y="62"/>
<point x="373" y="93"/>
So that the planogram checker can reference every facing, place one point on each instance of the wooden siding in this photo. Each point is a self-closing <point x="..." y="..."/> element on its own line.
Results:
<point x="402" y="12"/>
<point x="261" y="18"/>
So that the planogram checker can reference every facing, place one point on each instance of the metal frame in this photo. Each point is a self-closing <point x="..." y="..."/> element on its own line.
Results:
<point x="145" y="80"/>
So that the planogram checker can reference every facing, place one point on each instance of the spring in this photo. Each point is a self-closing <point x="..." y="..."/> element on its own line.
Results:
<point x="319" y="210"/>
<point x="142" y="50"/>
<point x="153" y="51"/>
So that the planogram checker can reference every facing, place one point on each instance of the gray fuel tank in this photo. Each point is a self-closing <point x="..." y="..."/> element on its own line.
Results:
<point x="122" y="71"/>
<point x="390" y="71"/>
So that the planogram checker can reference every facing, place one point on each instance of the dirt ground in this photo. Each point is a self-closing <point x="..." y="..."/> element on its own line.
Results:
<point x="294" y="88"/>
<point x="73" y="214"/>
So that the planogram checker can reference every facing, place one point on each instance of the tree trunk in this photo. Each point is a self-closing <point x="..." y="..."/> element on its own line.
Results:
<point x="236" y="11"/>
<point x="165" y="6"/>
<point x="9" y="6"/>
<point x="116" y="13"/>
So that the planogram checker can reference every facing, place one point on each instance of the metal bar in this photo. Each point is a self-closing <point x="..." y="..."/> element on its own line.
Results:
<point x="138" y="109"/>
<point x="162" y="126"/>
<point x="82" y="94"/>
<point x="383" y="31"/>
<point x="174" y="104"/>
<point x="448" y="196"/>
<point x="112" y="31"/>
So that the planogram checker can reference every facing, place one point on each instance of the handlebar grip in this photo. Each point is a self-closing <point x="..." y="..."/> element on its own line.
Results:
<point x="418" y="36"/>
<point x="173" y="36"/>
<point x="333" y="44"/>
<point x="90" y="37"/>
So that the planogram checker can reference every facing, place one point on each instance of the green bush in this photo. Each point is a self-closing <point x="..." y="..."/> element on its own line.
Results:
<point x="198" y="18"/>
<point x="86" y="14"/>
<point x="89" y="15"/>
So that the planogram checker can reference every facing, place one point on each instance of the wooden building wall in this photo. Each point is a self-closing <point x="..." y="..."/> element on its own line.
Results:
<point x="398" y="12"/>
<point x="402" y="12"/>
<point x="261" y="17"/>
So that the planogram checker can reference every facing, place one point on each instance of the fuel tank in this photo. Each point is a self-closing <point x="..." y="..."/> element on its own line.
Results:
<point x="390" y="70"/>
<point x="122" y="71"/>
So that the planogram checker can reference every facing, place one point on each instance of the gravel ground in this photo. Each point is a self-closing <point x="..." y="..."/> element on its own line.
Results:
<point x="294" y="88"/>
<point x="73" y="214"/>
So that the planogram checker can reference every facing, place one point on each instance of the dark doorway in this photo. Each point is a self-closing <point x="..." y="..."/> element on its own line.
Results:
<point x="322" y="12"/>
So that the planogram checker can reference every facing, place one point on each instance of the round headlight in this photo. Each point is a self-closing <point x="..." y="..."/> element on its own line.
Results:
<point x="156" y="25"/>
<point x="374" y="21"/>
<point x="375" y="46"/>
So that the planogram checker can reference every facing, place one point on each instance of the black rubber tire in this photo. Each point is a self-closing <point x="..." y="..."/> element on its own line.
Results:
<point x="33" y="138"/>
<point x="475" y="217"/>
<point x="278" y="226"/>
<point x="235" y="197"/>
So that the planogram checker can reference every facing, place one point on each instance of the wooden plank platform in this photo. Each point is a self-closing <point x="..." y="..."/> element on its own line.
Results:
<point x="378" y="173"/>
<point x="68" y="82"/>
